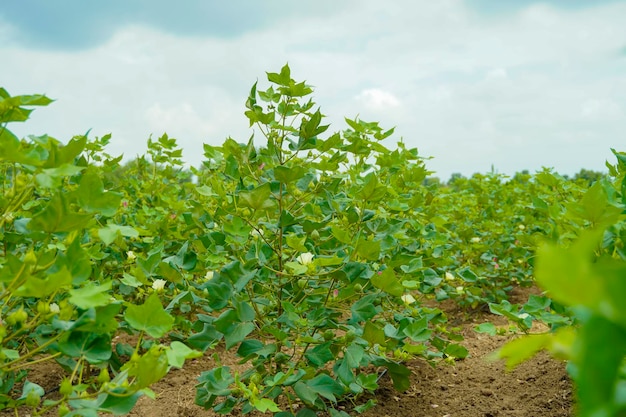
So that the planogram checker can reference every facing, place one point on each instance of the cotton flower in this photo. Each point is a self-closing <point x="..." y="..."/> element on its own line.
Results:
<point x="521" y="227"/>
<point x="131" y="255"/>
<point x="159" y="284"/>
<point x="408" y="299"/>
<point x="305" y="258"/>
<point x="475" y="239"/>
<point x="449" y="276"/>
<point x="209" y="275"/>
<point x="54" y="308"/>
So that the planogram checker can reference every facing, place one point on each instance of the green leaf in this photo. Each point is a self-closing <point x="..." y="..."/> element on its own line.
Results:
<point x="258" y="198"/>
<point x="103" y="321"/>
<point x="310" y="129"/>
<point x="325" y="386"/>
<point x="331" y="143"/>
<point x="249" y="347"/>
<point x="399" y="375"/>
<point x="284" y="78"/>
<point x="118" y="402"/>
<point x="92" y="197"/>
<point x="341" y="235"/>
<point x="467" y="274"/>
<point x="111" y="231"/>
<point x="151" y="367"/>
<point x="43" y="287"/>
<point x="504" y="309"/>
<point x="373" y="334"/>
<point x="305" y="412"/>
<point x="418" y="330"/>
<point x="297" y="243"/>
<point x="368" y="249"/>
<point x="264" y="405"/>
<point x="31" y="388"/>
<point x="79" y="262"/>
<point x="51" y="177"/>
<point x="371" y="191"/>
<point x="296" y="268"/>
<point x="328" y="261"/>
<point x="237" y="333"/>
<point x="519" y="350"/>
<point x="185" y="258"/>
<point x="363" y="309"/>
<point x="250" y="104"/>
<point x="289" y="174"/>
<point x="456" y="351"/>
<point x="58" y="217"/>
<point x="305" y="393"/>
<point x="59" y="155"/>
<point x="488" y="328"/>
<point x="599" y="352"/>
<point x="387" y="281"/>
<point x="216" y="382"/>
<point x="95" y="348"/>
<point x="566" y="273"/>
<point x="149" y="317"/>
<point x="351" y="359"/>
<point x="91" y="295"/>
<point x="594" y="207"/>
<point x="320" y="354"/>
<point x="205" y="339"/>
<point x="178" y="352"/>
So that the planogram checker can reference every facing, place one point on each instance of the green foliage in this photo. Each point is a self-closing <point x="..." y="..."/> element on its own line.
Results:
<point x="309" y="254"/>
<point x="58" y="275"/>
<point x="316" y="257"/>
<point x="587" y="275"/>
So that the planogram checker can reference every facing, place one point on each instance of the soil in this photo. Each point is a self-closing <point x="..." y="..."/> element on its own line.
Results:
<point x="473" y="387"/>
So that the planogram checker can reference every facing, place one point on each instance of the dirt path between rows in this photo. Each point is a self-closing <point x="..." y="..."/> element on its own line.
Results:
<point x="474" y="387"/>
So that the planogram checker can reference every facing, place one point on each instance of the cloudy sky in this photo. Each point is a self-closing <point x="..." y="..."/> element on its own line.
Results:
<point x="515" y="85"/>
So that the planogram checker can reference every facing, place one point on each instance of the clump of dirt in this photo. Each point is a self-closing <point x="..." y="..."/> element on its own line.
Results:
<point x="473" y="387"/>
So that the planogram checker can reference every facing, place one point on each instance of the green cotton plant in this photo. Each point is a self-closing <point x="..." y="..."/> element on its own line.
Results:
<point x="56" y="302"/>
<point x="318" y="234"/>
<point x="482" y="232"/>
<point x="587" y="276"/>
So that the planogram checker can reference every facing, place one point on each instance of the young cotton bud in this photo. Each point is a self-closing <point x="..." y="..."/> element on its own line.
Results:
<point x="305" y="258"/>
<point x="159" y="284"/>
<point x="408" y="299"/>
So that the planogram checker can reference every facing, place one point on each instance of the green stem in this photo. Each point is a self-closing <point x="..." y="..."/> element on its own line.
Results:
<point x="47" y="358"/>
<point x="33" y="352"/>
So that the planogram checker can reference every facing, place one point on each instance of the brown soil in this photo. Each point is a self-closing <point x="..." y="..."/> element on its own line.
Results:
<point x="474" y="387"/>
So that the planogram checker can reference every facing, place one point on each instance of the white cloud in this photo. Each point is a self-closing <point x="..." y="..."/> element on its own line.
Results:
<point x="497" y="74"/>
<point x="377" y="99"/>
<point x="518" y="91"/>
<point x="602" y="109"/>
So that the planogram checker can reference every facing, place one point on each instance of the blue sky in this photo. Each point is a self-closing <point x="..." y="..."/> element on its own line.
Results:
<point x="475" y="83"/>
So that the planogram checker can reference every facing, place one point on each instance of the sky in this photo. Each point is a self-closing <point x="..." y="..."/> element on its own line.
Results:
<point x="476" y="85"/>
